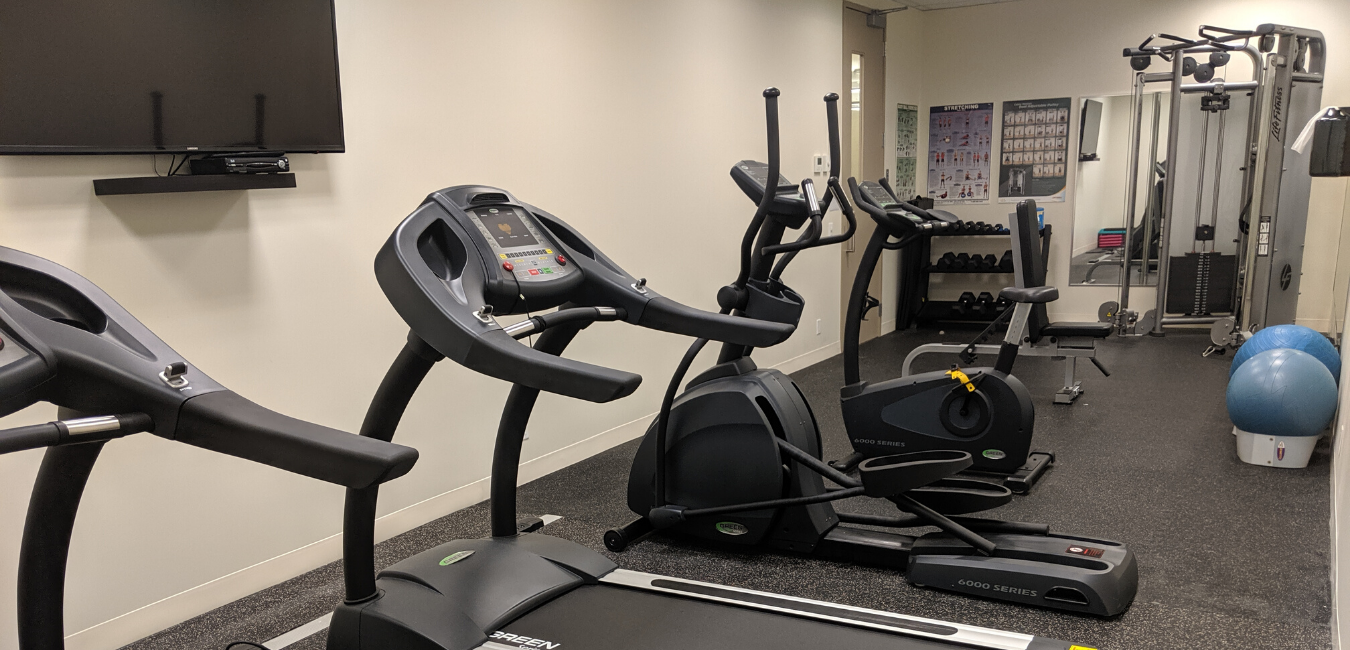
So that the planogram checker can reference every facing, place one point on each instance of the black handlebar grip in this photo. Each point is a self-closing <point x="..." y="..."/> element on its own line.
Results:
<point x="832" y="120"/>
<point x="775" y="169"/>
<point x="496" y="354"/>
<point x="667" y="315"/>
<point x="30" y="437"/>
<point x="224" y="422"/>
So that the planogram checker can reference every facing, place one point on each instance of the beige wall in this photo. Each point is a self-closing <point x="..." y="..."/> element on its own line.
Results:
<point x="1056" y="48"/>
<point x="621" y="117"/>
<point x="905" y="59"/>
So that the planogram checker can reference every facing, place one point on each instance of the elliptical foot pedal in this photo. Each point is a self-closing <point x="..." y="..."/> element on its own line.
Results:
<point x="886" y="476"/>
<point x="958" y="496"/>
<point x="1030" y="473"/>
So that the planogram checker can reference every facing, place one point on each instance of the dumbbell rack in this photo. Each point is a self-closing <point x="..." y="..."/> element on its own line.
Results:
<point x="916" y="268"/>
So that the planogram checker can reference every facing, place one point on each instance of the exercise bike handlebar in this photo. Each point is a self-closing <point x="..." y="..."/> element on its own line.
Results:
<point x="896" y="225"/>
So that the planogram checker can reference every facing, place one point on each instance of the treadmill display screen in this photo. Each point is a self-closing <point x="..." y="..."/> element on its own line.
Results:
<point x="506" y="227"/>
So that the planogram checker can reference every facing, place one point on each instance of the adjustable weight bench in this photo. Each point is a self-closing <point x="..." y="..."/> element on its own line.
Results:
<point x="1066" y="340"/>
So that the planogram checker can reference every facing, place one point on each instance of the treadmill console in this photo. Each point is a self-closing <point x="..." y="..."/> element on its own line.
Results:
<point x="523" y="267"/>
<point x="471" y="253"/>
<point x="519" y="244"/>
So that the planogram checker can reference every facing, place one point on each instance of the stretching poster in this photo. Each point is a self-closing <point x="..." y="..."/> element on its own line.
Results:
<point x="906" y="150"/>
<point x="959" y="139"/>
<point x="1035" y="147"/>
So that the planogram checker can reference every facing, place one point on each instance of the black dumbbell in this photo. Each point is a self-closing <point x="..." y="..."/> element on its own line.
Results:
<point x="1005" y="263"/>
<point x="962" y="262"/>
<point x="944" y="263"/>
<point x="1002" y="304"/>
<point x="985" y="303"/>
<point x="989" y="263"/>
<point x="964" y="305"/>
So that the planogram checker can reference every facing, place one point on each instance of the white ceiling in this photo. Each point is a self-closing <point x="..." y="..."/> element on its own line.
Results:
<point x="925" y="5"/>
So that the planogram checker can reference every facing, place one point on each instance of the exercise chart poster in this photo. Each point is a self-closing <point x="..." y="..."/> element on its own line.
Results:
<point x="1033" y="161"/>
<point x="959" y="139"/>
<point x="906" y="150"/>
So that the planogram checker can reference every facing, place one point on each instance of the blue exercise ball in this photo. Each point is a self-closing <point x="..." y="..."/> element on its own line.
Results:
<point x="1282" y="392"/>
<point x="1295" y="337"/>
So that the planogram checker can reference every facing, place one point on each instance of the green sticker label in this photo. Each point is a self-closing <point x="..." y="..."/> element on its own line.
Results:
<point x="994" y="454"/>
<point x="731" y="528"/>
<point x="455" y="557"/>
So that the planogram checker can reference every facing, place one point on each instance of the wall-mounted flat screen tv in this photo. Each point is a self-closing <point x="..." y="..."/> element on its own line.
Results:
<point x="168" y="76"/>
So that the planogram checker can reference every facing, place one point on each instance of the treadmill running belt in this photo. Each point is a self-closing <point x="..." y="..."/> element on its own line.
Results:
<point x="601" y="617"/>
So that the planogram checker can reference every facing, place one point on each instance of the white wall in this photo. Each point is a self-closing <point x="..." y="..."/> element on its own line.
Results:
<point x="622" y="118"/>
<point x="1341" y="470"/>
<point x="1056" y="48"/>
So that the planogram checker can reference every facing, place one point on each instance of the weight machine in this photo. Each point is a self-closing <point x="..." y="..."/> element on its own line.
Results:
<point x="1257" y="286"/>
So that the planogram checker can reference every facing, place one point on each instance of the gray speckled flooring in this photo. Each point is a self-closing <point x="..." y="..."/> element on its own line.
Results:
<point x="1230" y="555"/>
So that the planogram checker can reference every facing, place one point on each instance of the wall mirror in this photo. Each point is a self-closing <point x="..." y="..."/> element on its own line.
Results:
<point x="1099" y="227"/>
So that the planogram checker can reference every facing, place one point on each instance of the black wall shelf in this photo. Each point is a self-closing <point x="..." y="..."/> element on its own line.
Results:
<point x="203" y="183"/>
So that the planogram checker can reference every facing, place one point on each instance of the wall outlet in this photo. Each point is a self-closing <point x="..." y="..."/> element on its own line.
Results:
<point x="819" y="164"/>
<point x="817" y="326"/>
<point x="829" y="228"/>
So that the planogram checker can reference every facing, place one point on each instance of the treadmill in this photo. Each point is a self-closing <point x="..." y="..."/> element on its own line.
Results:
<point x="64" y="341"/>
<point x="466" y="256"/>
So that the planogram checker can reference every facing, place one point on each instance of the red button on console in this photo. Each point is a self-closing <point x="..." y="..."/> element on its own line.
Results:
<point x="534" y="271"/>
<point x="561" y="260"/>
<point x="507" y="266"/>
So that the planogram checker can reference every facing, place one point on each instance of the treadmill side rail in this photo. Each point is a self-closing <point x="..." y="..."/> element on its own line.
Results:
<point x="910" y="626"/>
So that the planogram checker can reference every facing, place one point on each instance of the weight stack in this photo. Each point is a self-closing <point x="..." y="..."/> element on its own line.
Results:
<point x="1201" y="284"/>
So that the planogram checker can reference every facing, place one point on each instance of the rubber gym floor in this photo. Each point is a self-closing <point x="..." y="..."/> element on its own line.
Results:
<point x="1230" y="555"/>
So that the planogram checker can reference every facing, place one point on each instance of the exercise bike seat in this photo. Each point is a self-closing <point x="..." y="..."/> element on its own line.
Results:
<point x="1033" y="295"/>
<point x="1090" y="330"/>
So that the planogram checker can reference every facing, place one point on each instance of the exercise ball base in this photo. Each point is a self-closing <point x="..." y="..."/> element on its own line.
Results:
<point x="1290" y="452"/>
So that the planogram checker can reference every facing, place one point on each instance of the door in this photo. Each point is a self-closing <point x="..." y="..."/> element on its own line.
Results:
<point x="863" y="141"/>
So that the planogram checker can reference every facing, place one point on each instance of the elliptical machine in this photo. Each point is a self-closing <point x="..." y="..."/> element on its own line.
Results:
<point x="736" y="458"/>
<point x="985" y="411"/>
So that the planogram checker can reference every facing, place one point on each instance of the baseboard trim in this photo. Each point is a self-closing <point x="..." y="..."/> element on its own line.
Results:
<point x="1322" y="325"/>
<point x="807" y="359"/>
